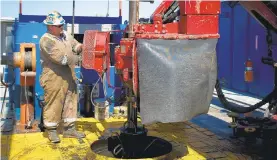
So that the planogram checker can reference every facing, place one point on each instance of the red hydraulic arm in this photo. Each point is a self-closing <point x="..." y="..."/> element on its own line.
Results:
<point x="264" y="11"/>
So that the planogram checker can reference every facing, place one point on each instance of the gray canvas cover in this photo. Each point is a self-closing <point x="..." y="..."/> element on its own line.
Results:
<point x="176" y="78"/>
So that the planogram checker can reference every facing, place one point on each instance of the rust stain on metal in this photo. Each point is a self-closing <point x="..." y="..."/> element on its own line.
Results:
<point x="177" y="36"/>
<point x="200" y="23"/>
<point x="197" y="6"/>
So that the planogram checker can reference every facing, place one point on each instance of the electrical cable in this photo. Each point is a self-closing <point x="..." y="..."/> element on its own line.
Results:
<point x="91" y="93"/>
<point x="236" y="108"/>
<point x="104" y="84"/>
<point x="27" y="114"/>
<point x="107" y="80"/>
<point x="100" y="77"/>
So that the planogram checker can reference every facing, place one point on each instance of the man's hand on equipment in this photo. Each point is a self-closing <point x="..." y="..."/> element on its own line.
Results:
<point x="74" y="59"/>
<point x="80" y="48"/>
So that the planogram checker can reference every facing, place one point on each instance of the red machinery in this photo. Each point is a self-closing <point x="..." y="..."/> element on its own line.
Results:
<point x="172" y="20"/>
<point x="197" y="20"/>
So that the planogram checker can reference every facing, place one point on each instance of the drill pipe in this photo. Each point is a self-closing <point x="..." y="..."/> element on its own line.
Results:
<point x="133" y="16"/>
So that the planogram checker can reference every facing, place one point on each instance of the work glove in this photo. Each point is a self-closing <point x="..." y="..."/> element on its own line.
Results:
<point x="73" y="60"/>
<point x="80" y="49"/>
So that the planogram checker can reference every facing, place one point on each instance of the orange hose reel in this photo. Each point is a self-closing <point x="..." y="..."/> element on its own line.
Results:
<point x="248" y="73"/>
<point x="26" y="61"/>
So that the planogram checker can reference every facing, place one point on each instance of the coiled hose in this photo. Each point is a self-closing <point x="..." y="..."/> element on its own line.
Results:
<point x="239" y="109"/>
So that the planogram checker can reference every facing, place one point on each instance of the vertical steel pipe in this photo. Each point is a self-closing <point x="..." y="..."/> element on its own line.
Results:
<point x="73" y="17"/>
<point x="120" y="8"/>
<point x="133" y="17"/>
<point x="137" y="11"/>
<point x="20" y="6"/>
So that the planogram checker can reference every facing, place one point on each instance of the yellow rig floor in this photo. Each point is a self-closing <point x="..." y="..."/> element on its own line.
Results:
<point x="189" y="141"/>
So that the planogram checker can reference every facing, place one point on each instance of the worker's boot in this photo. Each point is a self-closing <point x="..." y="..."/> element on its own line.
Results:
<point x="71" y="132"/>
<point x="53" y="135"/>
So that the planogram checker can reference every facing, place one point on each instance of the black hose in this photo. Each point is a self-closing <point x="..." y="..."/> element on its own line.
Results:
<point x="6" y="84"/>
<point x="239" y="109"/>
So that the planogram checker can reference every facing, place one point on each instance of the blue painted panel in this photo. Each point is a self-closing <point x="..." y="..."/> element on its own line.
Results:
<point x="16" y="89"/>
<point x="38" y="89"/>
<point x="256" y="46"/>
<point x="247" y="40"/>
<point x="224" y="50"/>
<point x="16" y="93"/>
<point x="29" y="33"/>
<point x="25" y="32"/>
<point x="240" y="48"/>
<point x="113" y="84"/>
<point x="6" y="75"/>
<point x="89" y="78"/>
<point x="258" y="49"/>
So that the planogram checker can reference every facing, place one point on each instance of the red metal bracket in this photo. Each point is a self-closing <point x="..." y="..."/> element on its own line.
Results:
<point x="96" y="50"/>
<point x="123" y="54"/>
<point x="260" y="8"/>
<point x="197" y="20"/>
<point x="196" y="17"/>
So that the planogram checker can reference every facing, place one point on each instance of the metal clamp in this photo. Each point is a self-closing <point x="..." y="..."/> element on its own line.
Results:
<point x="249" y="129"/>
<point x="119" y="147"/>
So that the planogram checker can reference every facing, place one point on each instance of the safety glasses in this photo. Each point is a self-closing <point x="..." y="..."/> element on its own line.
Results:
<point x="59" y="26"/>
